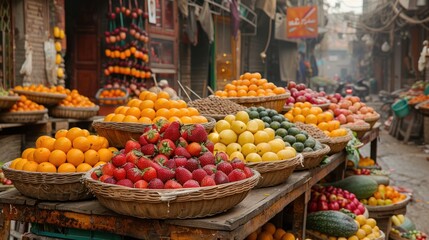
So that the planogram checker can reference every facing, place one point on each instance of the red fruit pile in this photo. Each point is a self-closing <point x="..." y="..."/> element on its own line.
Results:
<point x="171" y="156"/>
<point x="331" y="198"/>
<point x="362" y="171"/>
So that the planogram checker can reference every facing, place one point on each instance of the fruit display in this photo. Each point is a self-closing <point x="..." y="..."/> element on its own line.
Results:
<point x="112" y="96"/>
<point x="307" y="113"/>
<point x="3" y="179"/>
<point x="332" y="198"/>
<point x="250" y="85"/>
<point x="270" y="231"/>
<point x="351" y="110"/>
<point x="25" y="104"/>
<point x="361" y="186"/>
<point x="42" y="89"/>
<point x="73" y="150"/>
<point x="250" y="140"/>
<point x="418" y="99"/>
<point x="385" y="195"/>
<point x="58" y="34"/>
<point x="74" y="99"/>
<point x="366" y="162"/>
<point x="170" y="157"/>
<point x="332" y="223"/>
<point x="216" y="106"/>
<point x="152" y="107"/>
<point x="334" y="98"/>
<point x="300" y="93"/>
<point x="414" y="235"/>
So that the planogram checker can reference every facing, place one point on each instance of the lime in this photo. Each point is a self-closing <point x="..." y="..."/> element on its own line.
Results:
<point x="263" y="114"/>
<point x="310" y="142"/>
<point x="213" y="137"/>
<point x="293" y="131"/>
<point x="232" y="148"/>
<point x="260" y="109"/>
<point x="219" y="147"/>
<point x="266" y="125"/>
<point x="272" y="113"/>
<point x="281" y="132"/>
<point x="290" y="139"/>
<point x="270" y="132"/>
<point x="229" y="118"/>
<point x="317" y="146"/>
<point x="253" y="114"/>
<point x="253" y="125"/>
<point x="261" y="136"/>
<point x="238" y="155"/>
<point x="275" y="125"/>
<point x="242" y="116"/>
<point x="238" y="126"/>
<point x="227" y="136"/>
<point x="299" y="146"/>
<point x="277" y="118"/>
<point x="286" y="154"/>
<point x="307" y="149"/>
<point x="270" y="156"/>
<point x="246" y="137"/>
<point x="222" y="125"/>
<point x="277" y="145"/>
<point x="287" y="144"/>
<point x="253" y="157"/>
<point x="300" y="137"/>
<point x="263" y="148"/>
<point x="248" y="148"/>
<point x="286" y="125"/>
<point x="253" y="109"/>
<point x="266" y="119"/>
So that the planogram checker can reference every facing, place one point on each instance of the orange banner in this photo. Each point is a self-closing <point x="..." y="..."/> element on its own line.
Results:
<point x="301" y="22"/>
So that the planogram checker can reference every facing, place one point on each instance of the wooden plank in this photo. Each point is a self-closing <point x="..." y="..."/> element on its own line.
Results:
<point x="321" y="172"/>
<point x="14" y="197"/>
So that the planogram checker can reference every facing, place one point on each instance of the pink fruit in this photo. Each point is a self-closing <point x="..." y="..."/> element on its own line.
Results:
<point x="125" y="183"/>
<point x="191" y="184"/>
<point x="140" y="184"/>
<point x="207" y="181"/>
<point x="155" y="183"/>
<point x="199" y="174"/>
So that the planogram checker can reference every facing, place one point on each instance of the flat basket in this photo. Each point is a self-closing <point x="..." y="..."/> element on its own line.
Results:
<point x="111" y="100"/>
<point x="7" y="102"/>
<point x="372" y="120"/>
<point x="74" y="112"/>
<point x="171" y="204"/>
<point x="337" y="144"/>
<point x="48" y="186"/>
<point x="318" y="236"/>
<point x="118" y="133"/>
<point x="273" y="102"/>
<point x="360" y="130"/>
<point x="388" y="210"/>
<point x="275" y="172"/>
<point x="47" y="99"/>
<point x="22" y="117"/>
<point x="313" y="159"/>
<point x="313" y="131"/>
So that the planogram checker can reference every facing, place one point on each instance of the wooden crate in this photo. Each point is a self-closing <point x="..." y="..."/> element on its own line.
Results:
<point x="10" y="147"/>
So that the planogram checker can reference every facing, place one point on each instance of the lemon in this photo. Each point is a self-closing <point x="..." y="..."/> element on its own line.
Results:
<point x="277" y="145"/>
<point x="248" y="148"/>
<point x="261" y="136"/>
<point x="232" y="148"/>
<point x="253" y="126"/>
<point x="269" y="156"/>
<point x="286" y="154"/>
<point x="261" y="124"/>
<point x="238" y="155"/>
<point x="291" y="148"/>
<point x="253" y="157"/>
<point x="242" y="116"/>
<point x="219" y="147"/>
<point x="246" y="137"/>
<point x="213" y="137"/>
<point x="263" y="148"/>
<point x="238" y="126"/>
<point x="229" y="118"/>
<point x="227" y="136"/>
<point x="222" y="125"/>
<point x="270" y="132"/>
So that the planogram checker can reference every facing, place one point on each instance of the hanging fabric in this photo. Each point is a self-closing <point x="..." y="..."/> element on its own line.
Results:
<point x="192" y="28"/>
<point x="235" y="18"/>
<point x="268" y="6"/>
<point x="206" y="21"/>
<point x="183" y="7"/>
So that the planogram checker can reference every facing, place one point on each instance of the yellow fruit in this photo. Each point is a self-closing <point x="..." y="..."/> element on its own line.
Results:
<point x="242" y="116"/>
<point x="219" y="147"/>
<point x="56" y="32"/>
<point x="277" y="145"/>
<point x="401" y="218"/>
<point x="238" y="126"/>
<point x="58" y="59"/>
<point x="238" y="155"/>
<point x="62" y="34"/>
<point x="371" y="222"/>
<point x="214" y="137"/>
<point x="367" y="228"/>
<point x="271" y="132"/>
<point x="270" y="156"/>
<point x="372" y="201"/>
<point x="229" y="118"/>
<point x="227" y="136"/>
<point x="286" y="154"/>
<point x="253" y="157"/>
<point x="253" y="126"/>
<point x="232" y="148"/>
<point x="353" y="238"/>
<point x="248" y="148"/>
<point x="222" y="125"/>
<point x="361" y="219"/>
<point x="263" y="148"/>
<point x="261" y="137"/>
<point x="361" y="233"/>
<point x="58" y="46"/>
<point x="60" y="73"/>
<point x="246" y="137"/>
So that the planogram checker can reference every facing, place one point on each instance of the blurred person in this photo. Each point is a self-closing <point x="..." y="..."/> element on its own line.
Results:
<point x="164" y="85"/>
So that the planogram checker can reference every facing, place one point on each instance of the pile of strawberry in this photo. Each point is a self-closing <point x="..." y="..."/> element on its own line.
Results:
<point x="171" y="156"/>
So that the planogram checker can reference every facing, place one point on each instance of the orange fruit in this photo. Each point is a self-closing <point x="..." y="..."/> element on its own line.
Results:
<point x="279" y="90"/>
<point x="61" y="133"/>
<point x="193" y="111"/>
<point x="108" y="118"/>
<point x="323" y="126"/>
<point x="269" y="227"/>
<point x="289" y="116"/>
<point x="118" y="109"/>
<point x="162" y="103"/>
<point x="247" y="75"/>
<point x="151" y="96"/>
<point x="123" y="110"/>
<point x="134" y="111"/>
<point x="174" y="112"/>
<point x="118" y="118"/>
<point x="278" y="234"/>
<point x="30" y="166"/>
<point x="296" y="111"/>
<point x="262" y="81"/>
<point x="230" y="87"/>
<point x="26" y="152"/>
<point x="174" y="118"/>
<point x="146" y="104"/>
<point x="163" y="112"/>
<point x="159" y="118"/>
<point x="251" y="94"/>
<point x="164" y="95"/>
<point x="243" y="87"/>
<point x="41" y="155"/>
<point x="253" y="87"/>
<point x="149" y="113"/>
<point x="57" y="157"/>
<point x="199" y="119"/>
<point x="265" y="236"/>
<point x="299" y="118"/>
<point x="40" y="140"/>
<point x="75" y="156"/>
<point x="105" y="142"/>
<point x="105" y="154"/>
<point x="130" y="119"/>
<point x="91" y="157"/>
<point x="307" y="105"/>
<point x="316" y="110"/>
<point x="96" y="142"/>
<point x="13" y="164"/>
<point x="186" y="120"/>
<point x="232" y="93"/>
<point x="99" y="163"/>
<point x="145" y="120"/>
<point x="305" y="111"/>
<point x="332" y="125"/>
<point x="64" y="144"/>
<point x="46" y="167"/>
<point x="85" y="132"/>
<point x="142" y="95"/>
<point x="81" y="143"/>
<point x="181" y="104"/>
<point x="311" y="119"/>
<point x="134" y="102"/>
<point x="20" y="163"/>
<point x="66" y="168"/>
<point x="288" y="236"/>
<point x="83" y="167"/>
<point x="74" y="133"/>
<point x="241" y="93"/>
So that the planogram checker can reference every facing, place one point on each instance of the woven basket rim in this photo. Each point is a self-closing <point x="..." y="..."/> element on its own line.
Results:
<point x="25" y="112"/>
<point x="390" y="207"/>
<point x="259" y="99"/>
<point x="68" y="108"/>
<point x="97" y="95"/>
<point x="346" y="138"/>
<point x="323" y="105"/>
<point x="42" y="94"/>
<point x="353" y="127"/>
<point x="373" y="118"/>
<point x="10" y="98"/>
<point x="303" y="126"/>
<point x="163" y="195"/>
<point x="313" y="234"/>
<point x="280" y="163"/>
<point x="325" y="150"/>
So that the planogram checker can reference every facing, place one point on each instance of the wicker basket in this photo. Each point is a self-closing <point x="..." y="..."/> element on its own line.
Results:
<point x="318" y="236"/>
<point x="22" y="117"/>
<point x="275" y="172"/>
<point x="170" y="204"/>
<point x="372" y="120"/>
<point x="313" y="159"/>
<point x="74" y="112"/>
<point x="118" y="133"/>
<point x="48" y="186"/>
<point x="114" y="100"/>
<point x="286" y="108"/>
<point x="360" y="130"/>
<point x="273" y="102"/>
<point x="7" y="102"/>
<point x="314" y="131"/>
<point x="377" y="211"/>
<point x="324" y="106"/>
<point x="215" y="117"/>
<point x="337" y="144"/>
<point x="47" y="99"/>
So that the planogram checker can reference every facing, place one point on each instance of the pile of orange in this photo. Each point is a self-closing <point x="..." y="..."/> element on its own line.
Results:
<point x="306" y="113"/>
<point x="270" y="232"/>
<point x="73" y="150"/>
<point x="74" y="99"/>
<point x="152" y="107"/>
<point x="385" y="195"/>
<point x="111" y="94"/>
<point x="250" y="85"/>
<point x="25" y="104"/>
<point x="41" y="88"/>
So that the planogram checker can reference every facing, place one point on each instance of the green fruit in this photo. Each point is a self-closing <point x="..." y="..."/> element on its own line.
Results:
<point x="263" y="114"/>
<point x="332" y="223"/>
<point x="287" y="144"/>
<point x="310" y="142"/>
<point x="289" y="139"/>
<point x="260" y="109"/>
<point x="362" y="186"/>
<point x="277" y="118"/>
<point x="307" y="149"/>
<point x="272" y="113"/>
<point x="293" y="131"/>
<point x="300" y="137"/>
<point x="305" y="133"/>
<point x="275" y="125"/>
<point x="267" y="125"/>
<point x="266" y="119"/>
<point x="286" y="125"/>
<point x="299" y="146"/>
<point x="253" y="109"/>
<point x="253" y="114"/>
<point x="281" y="132"/>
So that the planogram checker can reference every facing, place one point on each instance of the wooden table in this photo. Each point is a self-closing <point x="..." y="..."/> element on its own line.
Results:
<point x="255" y="210"/>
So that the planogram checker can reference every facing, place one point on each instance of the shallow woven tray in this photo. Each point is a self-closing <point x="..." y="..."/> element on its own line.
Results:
<point x="273" y="102"/>
<point x="215" y="117"/>
<point x="313" y="159"/>
<point x="48" y="186"/>
<point x="170" y="204"/>
<point x="388" y="208"/>
<point x="22" y="117"/>
<point x="275" y="172"/>
<point x="313" y="131"/>
<point x="337" y="144"/>
<point x="317" y="236"/>
<point x="118" y="133"/>
<point x="47" y="99"/>
<point x="7" y="102"/>
<point x="359" y="129"/>
<point x="74" y="112"/>
<point x="117" y="100"/>
<point x="372" y="120"/>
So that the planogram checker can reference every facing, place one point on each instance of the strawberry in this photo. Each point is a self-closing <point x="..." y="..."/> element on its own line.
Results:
<point x="180" y="161"/>
<point x="182" y="152"/>
<point x="172" y="132"/>
<point x="192" y="164"/>
<point x="149" y="174"/>
<point x="237" y="163"/>
<point x="133" y="156"/>
<point x="140" y="184"/>
<point x="225" y="167"/>
<point x="110" y="180"/>
<point x="142" y="139"/>
<point x="236" y="175"/>
<point x="104" y="177"/>
<point x="199" y="174"/>
<point x="128" y="165"/>
<point x="107" y="169"/>
<point x="221" y="156"/>
<point x="220" y="177"/>
<point x="194" y="149"/>
<point x="195" y="133"/>
<point x="149" y="149"/>
<point x="119" y="159"/>
<point x="143" y="163"/>
<point x="156" y="165"/>
<point x="134" y="174"/>
<point x="209" y="145"/>
<point x="160" y="159"/>
<point x="182" y="142"/>
<point x="183" y="175"/>
<point x="155" y="183"/>
<point x="165" y="174"/>
<point x="125" y="183"/>
<point x="132" y="145"/>
<point x="210" y="169"/>
<point x="151" y="136"/>
<point x="166" y="147"/>
<point x="208" y="181"/>
<point x="171" y="164"/>
<point x="248" y="171"/>
<point x="191" y="184"/>
<point x="172" y="184"/>
<point x="206" y="159"/>
<point x="96" y="174"/>
<point x="119" y="173"/>
<point x="162" y="125"/>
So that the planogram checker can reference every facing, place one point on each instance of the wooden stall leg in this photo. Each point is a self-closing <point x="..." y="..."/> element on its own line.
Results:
<point x="300" y="214"/>
<point x="5" y="228"/>
<point x="373" y="151"/>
